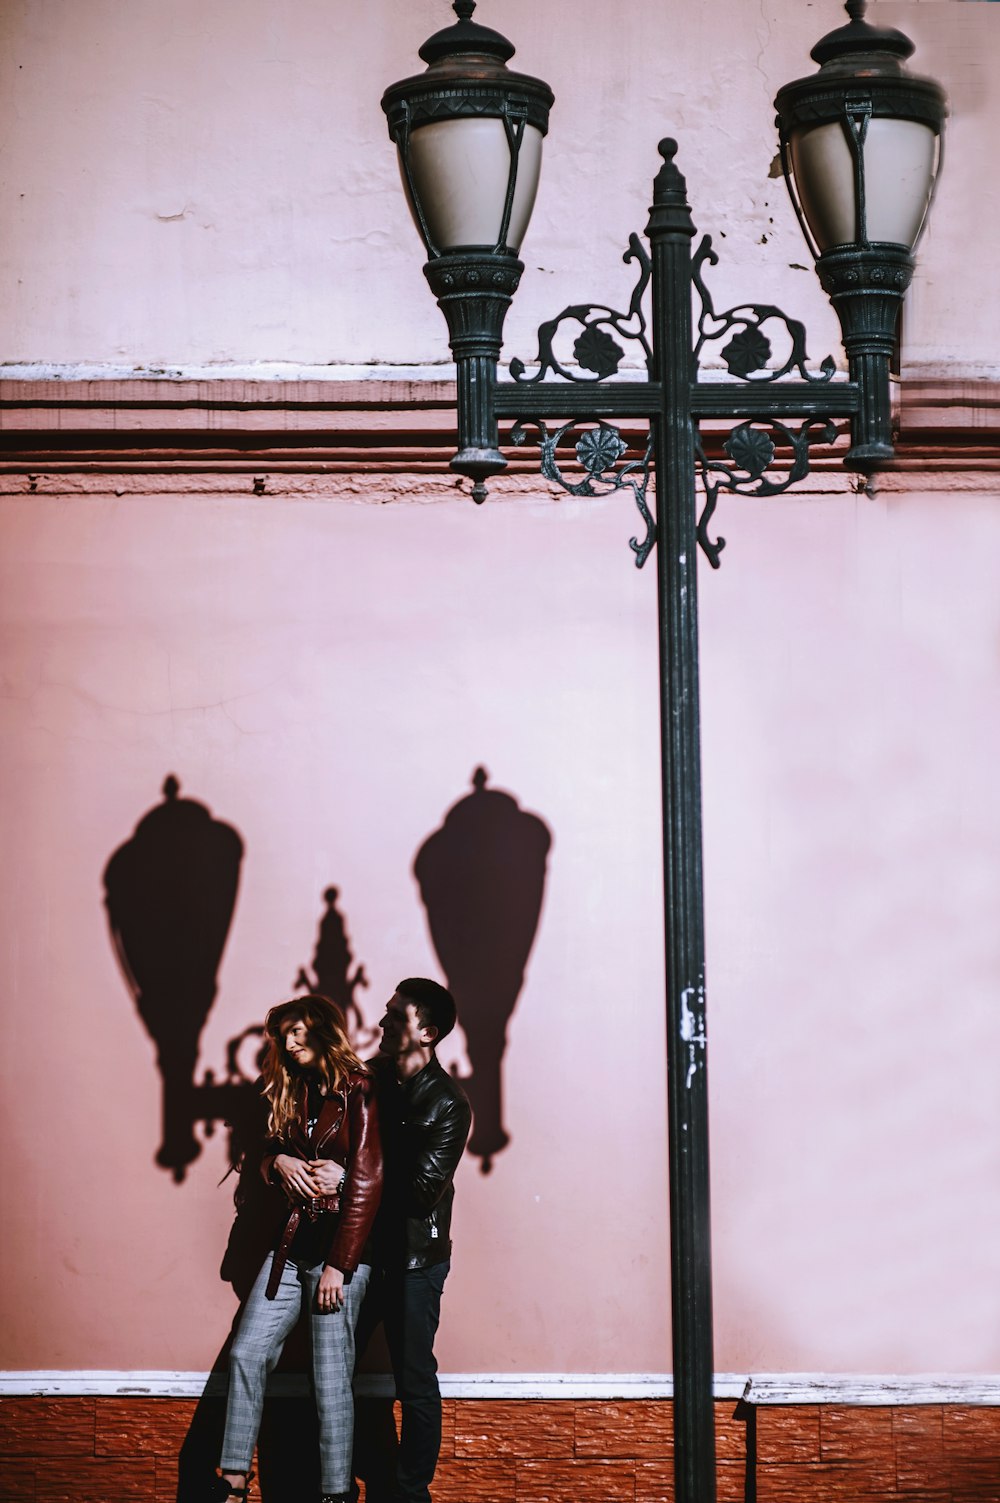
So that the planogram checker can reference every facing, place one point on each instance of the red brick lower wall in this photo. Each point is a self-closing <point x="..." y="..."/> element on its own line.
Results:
<point x="114" y="1450"/>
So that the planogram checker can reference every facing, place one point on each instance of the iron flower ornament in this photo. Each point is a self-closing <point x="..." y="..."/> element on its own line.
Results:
<point x="750" y="449"/>
<point x="746" y="352"/>
<point x="599" y="449"/>
<point x="596" y="351"/>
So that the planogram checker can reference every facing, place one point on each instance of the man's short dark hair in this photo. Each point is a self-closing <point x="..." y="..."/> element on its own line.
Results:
<point x="434" y="1003"/>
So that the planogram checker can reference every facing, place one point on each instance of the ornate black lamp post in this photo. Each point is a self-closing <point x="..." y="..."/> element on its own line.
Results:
<point x="860" y="144"/>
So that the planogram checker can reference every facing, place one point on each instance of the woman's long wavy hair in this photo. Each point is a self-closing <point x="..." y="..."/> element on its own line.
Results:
<point x="284" y="1087"/>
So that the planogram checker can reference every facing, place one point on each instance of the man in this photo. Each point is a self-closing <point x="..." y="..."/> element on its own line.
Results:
<point x="425" y="1120"/>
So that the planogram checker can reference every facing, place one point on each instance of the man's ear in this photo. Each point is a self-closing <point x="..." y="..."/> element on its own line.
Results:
<point x="429" y="1034"/>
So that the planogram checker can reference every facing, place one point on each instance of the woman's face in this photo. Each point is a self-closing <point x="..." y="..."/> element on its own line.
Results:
<point x="298" y="1045"/>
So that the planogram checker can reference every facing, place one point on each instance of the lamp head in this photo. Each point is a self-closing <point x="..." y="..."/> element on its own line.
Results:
<point x="860" y="139"/>
<point x="860" y="149"/>
<point x="469" y="135"/>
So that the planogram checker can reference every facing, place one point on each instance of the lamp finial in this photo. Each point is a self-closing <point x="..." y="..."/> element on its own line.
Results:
<point x="463" y="9"/>
<point x="856" y="9"/>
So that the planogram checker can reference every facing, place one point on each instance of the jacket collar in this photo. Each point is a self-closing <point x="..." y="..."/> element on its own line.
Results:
<point x="433" y="1070"/>
<point x="330" y="1114"/>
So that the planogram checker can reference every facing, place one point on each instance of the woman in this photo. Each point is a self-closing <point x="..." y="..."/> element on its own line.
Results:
<point x="323" y="1149"/>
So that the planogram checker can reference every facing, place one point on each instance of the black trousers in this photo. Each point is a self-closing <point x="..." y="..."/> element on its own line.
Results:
<point x="408" y="1304"/>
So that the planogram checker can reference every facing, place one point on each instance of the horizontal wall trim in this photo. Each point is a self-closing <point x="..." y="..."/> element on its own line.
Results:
<point x="757" y="1388"/>
<point x="385" y="423"/>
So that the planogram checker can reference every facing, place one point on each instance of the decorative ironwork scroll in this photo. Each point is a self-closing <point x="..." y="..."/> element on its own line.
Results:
<point x="600" y="450"/>
<point x="595" y="348"/>
<point x="752" y="450"/>
<point x="747" y="354"/>
<point x="760" y="344"/>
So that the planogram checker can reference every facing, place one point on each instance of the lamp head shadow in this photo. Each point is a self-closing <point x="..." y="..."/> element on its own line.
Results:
<point x="482" y="881"/>
<point x="170" y="892"/>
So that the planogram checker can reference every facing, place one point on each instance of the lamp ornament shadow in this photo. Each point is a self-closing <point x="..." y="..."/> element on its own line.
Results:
<point x="332" y="976"/>
<point x="860" y="144"/>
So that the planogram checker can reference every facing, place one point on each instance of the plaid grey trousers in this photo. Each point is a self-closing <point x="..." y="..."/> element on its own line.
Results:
<point x="265" y="1326"/>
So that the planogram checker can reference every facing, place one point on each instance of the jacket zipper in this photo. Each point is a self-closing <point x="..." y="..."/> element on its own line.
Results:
<point x="336" y="1126"/>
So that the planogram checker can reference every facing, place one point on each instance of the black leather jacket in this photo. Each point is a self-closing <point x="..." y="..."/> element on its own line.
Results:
<point x="425" y="1124"/>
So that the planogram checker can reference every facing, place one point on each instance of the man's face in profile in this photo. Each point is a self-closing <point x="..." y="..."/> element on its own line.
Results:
<point x="402" y="1031"/>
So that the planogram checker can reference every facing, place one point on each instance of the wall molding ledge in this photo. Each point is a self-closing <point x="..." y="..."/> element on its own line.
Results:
<point x="385" y="425"/>
<point x="761" y="1389"/>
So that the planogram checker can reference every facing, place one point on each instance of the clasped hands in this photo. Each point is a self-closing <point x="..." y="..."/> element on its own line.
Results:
<point x="307" y="1178"/>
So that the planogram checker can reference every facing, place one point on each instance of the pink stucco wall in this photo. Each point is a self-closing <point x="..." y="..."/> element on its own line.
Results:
<point x="193" y="185"/>
<point x="325" y="676"/>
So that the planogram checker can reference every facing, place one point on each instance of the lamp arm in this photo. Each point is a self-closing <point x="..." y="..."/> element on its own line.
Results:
<point x="866" y="286"/>
<point x="765" y="455"/>
<point x="473" y="290"/>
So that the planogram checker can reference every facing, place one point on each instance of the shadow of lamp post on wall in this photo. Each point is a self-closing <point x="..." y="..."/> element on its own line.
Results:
<point x="482" y="881"/>
<point x="170" y="892"/>
<point x="860" y="147"/>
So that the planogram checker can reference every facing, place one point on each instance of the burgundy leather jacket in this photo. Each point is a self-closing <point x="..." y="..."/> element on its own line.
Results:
<point x="346" y="1131"/>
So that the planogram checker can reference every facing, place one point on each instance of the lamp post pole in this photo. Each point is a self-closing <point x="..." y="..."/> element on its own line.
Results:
<point x="670" y="232"/>
<point x="859" y="112"/>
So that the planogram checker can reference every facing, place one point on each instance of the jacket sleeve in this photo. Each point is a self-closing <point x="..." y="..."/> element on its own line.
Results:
<point x="362" y="1190"/>
<point x="271" y="1150"/>
<point x="435" y="1159"/>
<point x="272" y="1147"/>
<point x="259" y="1148"/>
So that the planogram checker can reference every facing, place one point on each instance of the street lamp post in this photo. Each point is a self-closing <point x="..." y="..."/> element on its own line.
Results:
<point x="860" y="147"/>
